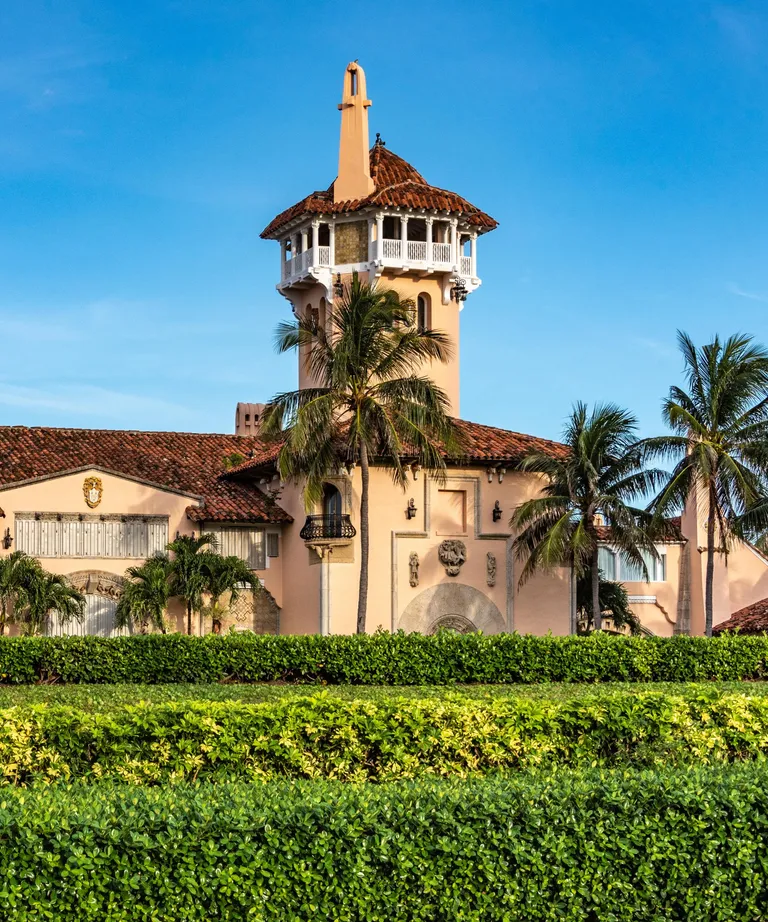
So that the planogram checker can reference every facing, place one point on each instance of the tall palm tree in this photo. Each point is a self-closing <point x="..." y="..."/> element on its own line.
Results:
<point x="227" y="574"/>
<point x="47" y="594"/>
<point x="17" y="571"/>
<point x="145" y="595"/>
<point x="600" y="473"/>
<point x="719" y="444"/>
<point x="189" y="568"/>
<point x="369" y="405"/>
<point x="613" y="599"/>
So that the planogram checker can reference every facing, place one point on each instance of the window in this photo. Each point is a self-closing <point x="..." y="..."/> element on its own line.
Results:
<point x="273" y="544"/>
<point x="244" y="542"/>
<point x="353" y="83"/>
<point x="321" y="314"/>
<point x="615" y="566"/>
<point x="422" y="313"/>
<point x="51" y="534"/>
<point x="389" y="230"/>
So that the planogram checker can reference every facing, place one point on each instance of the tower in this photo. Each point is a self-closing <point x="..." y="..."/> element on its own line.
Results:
<point x="381" y="219"/>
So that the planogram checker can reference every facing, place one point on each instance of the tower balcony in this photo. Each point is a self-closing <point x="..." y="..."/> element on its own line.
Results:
<point x="403" y="257"/>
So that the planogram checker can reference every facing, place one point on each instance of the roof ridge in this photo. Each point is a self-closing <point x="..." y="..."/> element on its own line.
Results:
<point x="217" y="435"/>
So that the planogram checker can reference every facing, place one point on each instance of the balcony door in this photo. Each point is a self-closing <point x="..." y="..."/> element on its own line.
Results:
<point x="332" y="506"/>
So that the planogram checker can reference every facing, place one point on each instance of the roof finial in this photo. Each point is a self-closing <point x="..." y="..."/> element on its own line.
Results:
<point x="354" y="179"/>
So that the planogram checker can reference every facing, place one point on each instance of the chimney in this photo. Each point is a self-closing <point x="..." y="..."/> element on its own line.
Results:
<point x="247" y="418"/>
<point x="354" y="179"/>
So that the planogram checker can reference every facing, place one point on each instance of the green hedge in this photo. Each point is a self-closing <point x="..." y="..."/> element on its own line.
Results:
<point x="628" y="847"/>
<point x="359" y="741"/>
<point x="381" y="659"/>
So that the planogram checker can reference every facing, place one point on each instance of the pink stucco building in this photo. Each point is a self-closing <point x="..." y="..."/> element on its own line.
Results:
<point x="90" y="503"/>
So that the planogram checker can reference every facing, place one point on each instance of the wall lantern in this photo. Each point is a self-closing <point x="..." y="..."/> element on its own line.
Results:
<point x="496" y="511"/>
<point x="458" y="290"/>
<point x="338" y="286"/>
<point x="7" y="539"/>
<point x="410" y="511"/>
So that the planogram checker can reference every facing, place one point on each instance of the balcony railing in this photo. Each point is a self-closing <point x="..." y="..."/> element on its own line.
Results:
<point x="417" y="252"/>
<point x="327" y="527"/>
<point x="314" y="256"/>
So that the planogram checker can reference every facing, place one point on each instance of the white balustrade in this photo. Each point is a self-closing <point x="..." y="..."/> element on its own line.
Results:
<point x="466" y="265"/>
<point x="441" y="253"/>
<point x="323" y="256"/>
<point x="417" y="251"/>
<point x="393" y="249"/>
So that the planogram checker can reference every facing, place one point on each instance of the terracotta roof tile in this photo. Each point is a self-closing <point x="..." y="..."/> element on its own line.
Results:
<point x="675" y="535"/>
<point x="752" y="619"/>
<point x="397" y="184"/>
<point x="483" y="445"/>
<point x="187" y="462"/>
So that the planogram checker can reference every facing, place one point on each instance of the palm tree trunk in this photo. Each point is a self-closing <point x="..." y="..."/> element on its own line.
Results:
<point x="597" y="615"/>
<point x="362" y="600"/>
<point x="189" y="618"/>
<point x="710" y="580"/>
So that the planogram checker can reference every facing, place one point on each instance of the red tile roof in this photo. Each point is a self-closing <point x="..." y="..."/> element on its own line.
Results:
<point x="397" y="185"/>
<point x="752" y="619"/>
<point x="483" y="445"/>
<point x="186" y="462"/>
<point x="675" y="535"/>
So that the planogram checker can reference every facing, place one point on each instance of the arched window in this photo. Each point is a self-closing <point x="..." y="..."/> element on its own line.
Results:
<point x="313" y="314"/>
<point x="423" y="318"/>
<point x="332" y="511"/>
<point x="322" y="314"/>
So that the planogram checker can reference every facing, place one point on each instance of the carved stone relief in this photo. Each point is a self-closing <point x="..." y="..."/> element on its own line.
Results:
<point x="413" y="565"/>
<point x="452" y="554"/>
<point x="97" y="582"/>
<point x="490" y="565"/>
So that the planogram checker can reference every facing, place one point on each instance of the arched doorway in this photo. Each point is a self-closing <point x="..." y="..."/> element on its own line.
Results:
<point x="454" y="606"/>
<point x="332" y="511"/>
<point x="101" y="591"/>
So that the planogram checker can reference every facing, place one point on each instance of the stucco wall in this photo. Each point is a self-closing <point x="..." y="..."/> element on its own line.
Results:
<point x="121" y="496"/>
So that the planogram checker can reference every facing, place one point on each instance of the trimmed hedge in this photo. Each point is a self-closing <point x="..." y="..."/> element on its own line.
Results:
<point x="381" y="659"/>
<point x="687" y="846"/>
<point x="361" y="741"/>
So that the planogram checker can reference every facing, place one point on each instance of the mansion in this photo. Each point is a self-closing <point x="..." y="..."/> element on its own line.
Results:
<point x="91" y="503"/>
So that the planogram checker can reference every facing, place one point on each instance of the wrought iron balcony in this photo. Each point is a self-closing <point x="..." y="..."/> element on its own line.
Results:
<point x="327" y="528"/>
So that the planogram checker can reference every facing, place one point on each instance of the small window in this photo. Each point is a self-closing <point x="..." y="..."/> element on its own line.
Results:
<point x="353" y="83"/>
<point x="606" y="561"/>
<point x="273" y="544"/>
<point x="422" y="313"/>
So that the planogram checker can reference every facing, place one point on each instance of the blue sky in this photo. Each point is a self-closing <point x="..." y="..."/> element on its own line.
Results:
<point x="621" y="146"/>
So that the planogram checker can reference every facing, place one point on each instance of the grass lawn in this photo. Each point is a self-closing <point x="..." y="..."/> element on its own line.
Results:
<point x="101" y="698"/>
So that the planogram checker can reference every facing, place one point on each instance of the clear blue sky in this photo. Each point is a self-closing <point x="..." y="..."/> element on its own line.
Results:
<point x="623" y="147"/>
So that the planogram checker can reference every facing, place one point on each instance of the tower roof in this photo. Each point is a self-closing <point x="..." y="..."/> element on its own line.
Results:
<point x="397" y="184"/>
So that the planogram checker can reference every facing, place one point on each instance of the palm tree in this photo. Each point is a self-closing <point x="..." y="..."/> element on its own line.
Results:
<point x="226" y="574"/>
<point x="188" y="570"/>
<point x="719" y="444"/>
<point x="17" y="571"/>
<point x="598" y="474"/>
<point x="613" y="599"/>
<point x="369" y="403"/>
<point x="145" y="595"/>
<point x="47" y="594"/>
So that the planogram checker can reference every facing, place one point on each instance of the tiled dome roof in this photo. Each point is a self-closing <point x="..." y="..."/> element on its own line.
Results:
<point x="396" y="185"/>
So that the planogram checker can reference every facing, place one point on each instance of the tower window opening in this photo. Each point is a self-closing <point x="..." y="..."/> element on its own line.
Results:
<point x="324" y="236"/>
<point x="390" y="229"/>
<point x="422" y="313"/>
<point x="353" y="82"/>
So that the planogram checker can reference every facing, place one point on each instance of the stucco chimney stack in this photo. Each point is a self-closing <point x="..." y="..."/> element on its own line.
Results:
<point x="248" y="418"/>
<point x="354" y="179"/>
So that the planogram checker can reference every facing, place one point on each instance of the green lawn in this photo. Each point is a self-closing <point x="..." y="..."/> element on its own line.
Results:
<point x="106" y="697"/>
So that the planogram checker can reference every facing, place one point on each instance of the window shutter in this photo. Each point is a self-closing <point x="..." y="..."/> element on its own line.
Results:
<point x="273" y="544"/>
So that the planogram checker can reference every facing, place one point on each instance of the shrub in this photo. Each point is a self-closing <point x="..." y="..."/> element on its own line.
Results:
<point x="359" y="741"/>
<point x="381" y="659"/>
<point x="570" y="847"/>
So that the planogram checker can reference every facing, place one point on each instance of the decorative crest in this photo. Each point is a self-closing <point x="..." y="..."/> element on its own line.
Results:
<point x="93" y="490"/>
